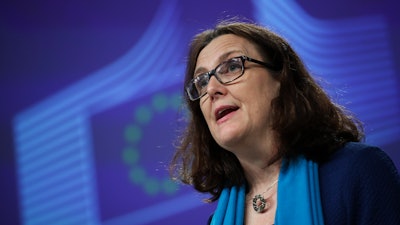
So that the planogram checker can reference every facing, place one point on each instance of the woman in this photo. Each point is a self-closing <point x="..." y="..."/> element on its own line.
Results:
<point x="266" y="141"/>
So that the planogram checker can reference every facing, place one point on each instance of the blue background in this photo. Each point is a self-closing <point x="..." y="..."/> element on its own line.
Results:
<point x="90" y="97"/>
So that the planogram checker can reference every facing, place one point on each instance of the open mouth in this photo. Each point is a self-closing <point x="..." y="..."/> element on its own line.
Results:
<point x="222" y="112"/>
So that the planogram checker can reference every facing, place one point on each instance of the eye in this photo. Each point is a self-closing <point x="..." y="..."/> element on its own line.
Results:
<point x="232" y="66"/>
<point x="201" y="81"/>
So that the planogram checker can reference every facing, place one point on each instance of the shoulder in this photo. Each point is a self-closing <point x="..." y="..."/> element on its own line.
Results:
<point x="358" y="164"/>
<point x="359" y="182"/>
<point x="355" y="157"/>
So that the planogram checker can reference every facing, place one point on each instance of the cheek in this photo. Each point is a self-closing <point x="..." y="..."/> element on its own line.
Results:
<point x="269" y="88"/>
<point x="260" y="96"/>
<point x="205" y="110"/>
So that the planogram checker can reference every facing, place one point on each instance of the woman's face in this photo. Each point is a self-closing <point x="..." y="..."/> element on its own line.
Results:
<point x="238" y="113"/>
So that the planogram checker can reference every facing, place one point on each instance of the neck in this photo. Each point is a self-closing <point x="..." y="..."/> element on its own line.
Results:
<point x="259" y="178"/>
<point x="257" y="165"/>
<point x="255" y="158"/>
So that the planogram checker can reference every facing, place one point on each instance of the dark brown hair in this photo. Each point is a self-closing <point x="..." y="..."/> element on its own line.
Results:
<point x="306" y="121"/>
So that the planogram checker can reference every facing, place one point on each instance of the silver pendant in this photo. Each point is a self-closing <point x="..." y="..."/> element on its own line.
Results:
<point x="259" y="203"/>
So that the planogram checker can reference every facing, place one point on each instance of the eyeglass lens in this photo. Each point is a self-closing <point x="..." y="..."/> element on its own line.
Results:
<point x="224" y="73"/>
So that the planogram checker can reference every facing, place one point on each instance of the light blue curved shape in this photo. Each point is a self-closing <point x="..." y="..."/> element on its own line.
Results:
<point x="55" y="134"/>
<point x="352" y="54"/>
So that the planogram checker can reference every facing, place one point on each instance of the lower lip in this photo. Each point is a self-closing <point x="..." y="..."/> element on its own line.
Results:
<point x="226" y="117"/>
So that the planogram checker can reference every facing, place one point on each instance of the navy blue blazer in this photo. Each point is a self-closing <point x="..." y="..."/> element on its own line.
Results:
<point x="359" y="185"/>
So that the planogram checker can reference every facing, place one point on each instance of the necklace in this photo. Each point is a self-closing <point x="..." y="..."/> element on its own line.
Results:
<point x="259" y="202"/>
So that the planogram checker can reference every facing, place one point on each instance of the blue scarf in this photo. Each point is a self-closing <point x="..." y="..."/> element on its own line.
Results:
<point x="299" y="199"/>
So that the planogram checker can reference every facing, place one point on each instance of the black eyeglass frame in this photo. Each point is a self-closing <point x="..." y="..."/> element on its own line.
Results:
<point x="191" y="85"/>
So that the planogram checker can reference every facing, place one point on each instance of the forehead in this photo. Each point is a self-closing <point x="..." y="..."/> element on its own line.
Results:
<point x="223" y="48"/>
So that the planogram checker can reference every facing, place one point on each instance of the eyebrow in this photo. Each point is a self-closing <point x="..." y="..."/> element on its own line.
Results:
<point x="222" y="58"/>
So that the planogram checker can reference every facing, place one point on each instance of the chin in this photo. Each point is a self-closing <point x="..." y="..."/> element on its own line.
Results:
<point x="228" y="136"/>
<point x="228" y="143"/>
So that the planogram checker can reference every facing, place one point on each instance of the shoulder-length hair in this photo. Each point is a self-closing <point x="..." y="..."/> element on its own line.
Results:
<point x="304" y="118"/>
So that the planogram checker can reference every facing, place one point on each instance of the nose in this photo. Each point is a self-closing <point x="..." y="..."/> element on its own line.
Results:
<point x="215" y="88"/>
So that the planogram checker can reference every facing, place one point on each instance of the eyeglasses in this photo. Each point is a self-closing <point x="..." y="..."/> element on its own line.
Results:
<point x="225" y="72"/>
